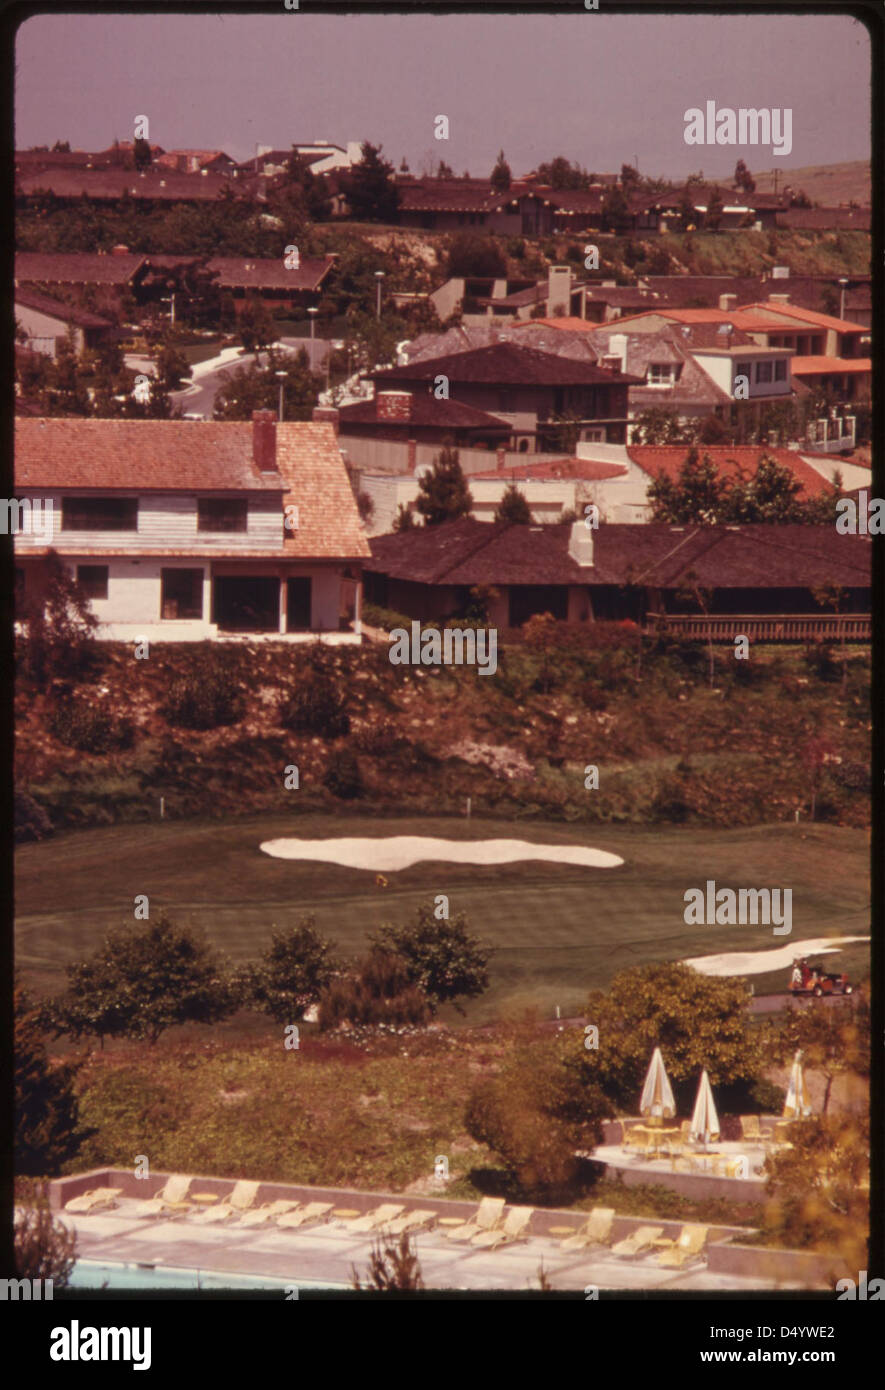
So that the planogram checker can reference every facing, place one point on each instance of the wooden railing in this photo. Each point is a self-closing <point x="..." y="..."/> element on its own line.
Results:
<point x="777" y="627"/>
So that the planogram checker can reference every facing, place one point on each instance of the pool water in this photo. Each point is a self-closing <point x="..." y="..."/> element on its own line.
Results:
<point x="92" y="1274"/>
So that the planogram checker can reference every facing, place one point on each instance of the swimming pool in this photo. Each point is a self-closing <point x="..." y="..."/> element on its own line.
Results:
<point x="95" y="1274"/>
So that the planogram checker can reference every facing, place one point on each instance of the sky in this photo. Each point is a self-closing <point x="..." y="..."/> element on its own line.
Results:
<point x="600" y="89"/>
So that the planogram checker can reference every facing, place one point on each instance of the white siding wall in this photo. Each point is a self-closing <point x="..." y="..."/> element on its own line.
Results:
<point x="170" y="521"/>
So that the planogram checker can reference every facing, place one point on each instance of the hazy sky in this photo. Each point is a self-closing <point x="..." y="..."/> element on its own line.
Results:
<point x="598" y="88"/>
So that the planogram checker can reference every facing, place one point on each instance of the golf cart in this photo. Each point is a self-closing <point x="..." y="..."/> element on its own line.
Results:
<point x="810" y="978"/>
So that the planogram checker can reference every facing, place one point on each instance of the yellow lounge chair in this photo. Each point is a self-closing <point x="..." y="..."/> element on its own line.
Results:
<point x="642" y="1239"/>
<point x="750" y="1128"/>
<point x="96" y="1199"/>
<point x="689" y="1246"/>
<point x="291" y="1220"/>
<point x="596" y="1230"/>
<point x="412" y="1221"/>
<point x="514" y="1227"/>
<point x="170" y="1198"/>
<point x="269" y="1211"/>
<point x="238" y="1201"/>
<point x="488" y="1216"/>
<point x="388" y="1211"/>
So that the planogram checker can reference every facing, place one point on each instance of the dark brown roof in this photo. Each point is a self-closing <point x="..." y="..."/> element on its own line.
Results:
<point x="75" y="268"/>
<point x="250" y="273"/>
<point x="469" y="552"/>
<point x="506" y="364"/>
<point x="426" y="410"/>
<point x="44" y="304"/>
<point x="824" y="219"/>
<point x="111" y="183"/>
<point x="460" y="195"/>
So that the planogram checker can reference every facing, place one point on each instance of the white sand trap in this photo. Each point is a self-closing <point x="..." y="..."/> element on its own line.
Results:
<point x="758" y="962"/>
<point x="402" y="851"/>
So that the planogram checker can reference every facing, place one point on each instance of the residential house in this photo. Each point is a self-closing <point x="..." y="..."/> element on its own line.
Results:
<point x="179" y="531"/>
<point x="843" y="219"/>
<point x="405" y="415"/>
<point x="118" y="185"/>
<point x="195" y="161"/>
<point x="453" y="204"/>
<point x="759" y="576"/>
<point x="270" y="280"/>
<point x="534" y="391"/>
<point x="47" y="321"/>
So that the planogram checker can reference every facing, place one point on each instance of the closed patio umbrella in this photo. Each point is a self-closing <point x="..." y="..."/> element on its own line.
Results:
<point x="704" y="1119"/>
<point x="657" y="1093"/>
<point x="797" y="1104"/>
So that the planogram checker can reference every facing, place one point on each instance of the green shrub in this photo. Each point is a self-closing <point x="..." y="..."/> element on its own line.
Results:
<point x="79" y="724"/>
<point x="31" y="819"/>
<point x="203" y="698"/>
<point x="385" y="618"/>
<point x="381" y="992"/>
<point x="342" y="777"/>
<point x="317" y="705"/>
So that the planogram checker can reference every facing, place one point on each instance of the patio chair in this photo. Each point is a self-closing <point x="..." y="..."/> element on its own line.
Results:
<point x="596" y="1230"/>
<point x="170" y="1199"/>
<point x="95" y="1200"/>
<point x="629" y="1136"/>
<point x="238" y="1201"/>
<point x="268" y="1211"/>
<point x="750" y="1128"/>
<point x="643" y="1238"/>
<point x="514" y="1227"/>
<point x="417" y="1220"/>
<point x="372" y="1220"/>
<point x="689" y="1245"/>
<point x="314" y="1211"/>
<point x="488" y="1216"/>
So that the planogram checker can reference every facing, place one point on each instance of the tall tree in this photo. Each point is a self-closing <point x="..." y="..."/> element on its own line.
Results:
<point x="443" y="494"/>
<point x="47" y="1122"/>
<point x="513" y="508"/>
<point x="615" y="211"/>
<point x="501" y="177"/>
<point x="441" y="957"/>
<point x="715" y="209"/>
<point x="743" y="179"/>
<point x="371" y="187"/>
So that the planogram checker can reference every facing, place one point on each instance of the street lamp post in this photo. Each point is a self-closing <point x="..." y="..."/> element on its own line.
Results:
<point x="379" y="276"/>
<point x="843" y="285"/>
<point x="281" y="378"/>
<point x="312" y="314"/>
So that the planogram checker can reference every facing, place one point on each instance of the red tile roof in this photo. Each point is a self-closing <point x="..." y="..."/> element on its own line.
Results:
<point x="729" y="461"/>
<point x="44" y="304"/>
<point x="237" y="272"/>
<point x="470" y="552"/>
<point x="584" y="470"/>
<point x="810" y="366"/>
<point x="792" y="311"/>
<point x="75" y="268"/>
<point x="506" y="364"/>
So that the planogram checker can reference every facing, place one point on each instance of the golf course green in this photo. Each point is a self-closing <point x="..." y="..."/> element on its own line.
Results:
<point x="558" y="929"/>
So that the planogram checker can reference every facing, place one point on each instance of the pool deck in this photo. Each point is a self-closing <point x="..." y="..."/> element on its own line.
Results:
<point x="324" y="1255"/>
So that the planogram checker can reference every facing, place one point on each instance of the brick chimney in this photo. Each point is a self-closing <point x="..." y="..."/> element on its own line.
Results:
<point x="120" y="250"/>
<point x="393" y="405"/>
<point x="264" y="440"/>
<point x="326" y="415"/>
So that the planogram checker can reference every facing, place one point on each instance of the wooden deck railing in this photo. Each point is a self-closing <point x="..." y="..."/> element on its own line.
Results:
<point x="780" y="627"/>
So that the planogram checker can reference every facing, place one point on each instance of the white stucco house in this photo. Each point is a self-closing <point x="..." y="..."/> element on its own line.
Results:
<point x="183" y="530"/>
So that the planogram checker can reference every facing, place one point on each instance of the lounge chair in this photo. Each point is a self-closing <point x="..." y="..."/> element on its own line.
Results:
<point x="238" y="1201"/>
<point x="488" y="1216"/>
<point x="314" y="1211"/>
<point x="388" y="1211"/>
<point x="416" y="1220"/>
<point x="170" y="1199"/>
<point x="643" y="1238"/>
<point x="268" y="1211"/>
<point x="688" y="1246"/>
<point x="596" y="1230"/>
<point x="750" y="1128"/>
<point x="96" y="1199"/>
<point x="514" y="1227"/>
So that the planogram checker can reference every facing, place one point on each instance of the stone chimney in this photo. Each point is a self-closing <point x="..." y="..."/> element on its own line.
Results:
<point x="264" y="440"/>
<point x="326" y="415"/>
<point x="727" y="302"/>
<point x="393" y="405"/>
<point x="500" y="458"/>
<point x="411" y="455"/>
<point x="559" y="288"/>
<point x="616" y="356"/>
<point x="580" y="545"/>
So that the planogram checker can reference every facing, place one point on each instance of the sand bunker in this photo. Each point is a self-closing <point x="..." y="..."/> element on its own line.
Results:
<point x="402" y="851"/>
<point x="780" y="958"/>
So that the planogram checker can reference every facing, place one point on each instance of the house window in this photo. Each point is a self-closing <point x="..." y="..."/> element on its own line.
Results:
<point x="93" y="580"/>
<point x="763" y="371"/>
<point x="780" y="370"/>
<point x="659" y="374"/>
<point x="744" y="369"/>
<point x="99" y="514"/>
<point x="222" y="514"/>
<point x="181" y="594"/>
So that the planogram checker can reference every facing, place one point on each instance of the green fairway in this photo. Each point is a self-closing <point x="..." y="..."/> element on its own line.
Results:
<point x="559" y="930"/>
